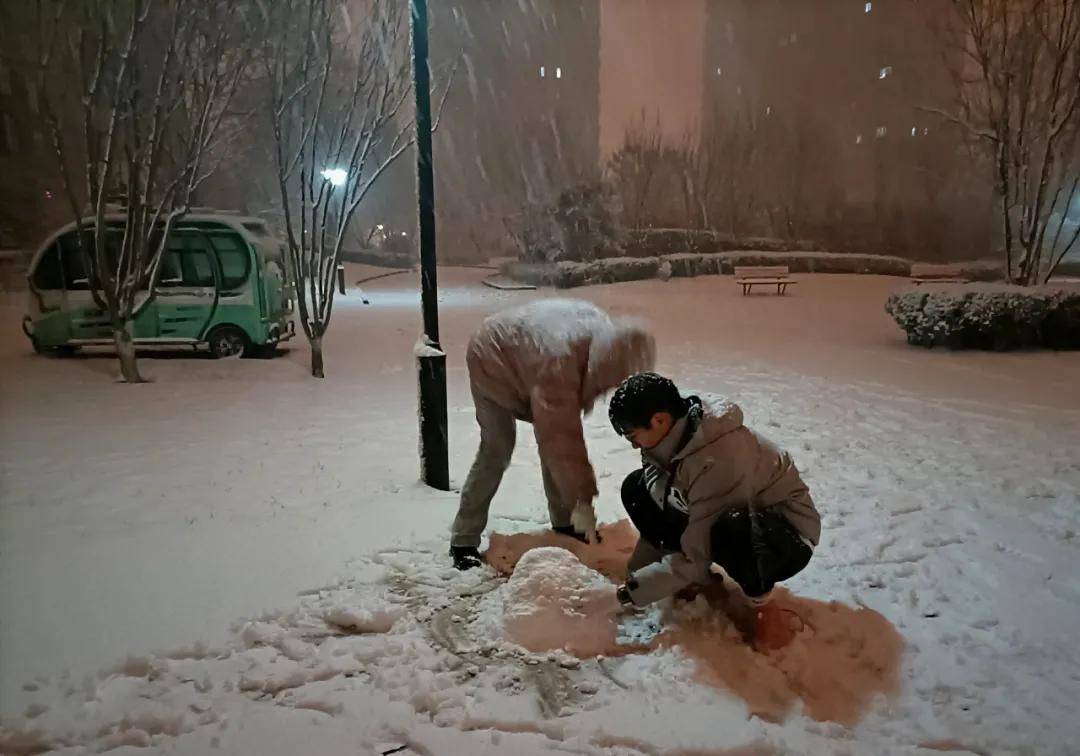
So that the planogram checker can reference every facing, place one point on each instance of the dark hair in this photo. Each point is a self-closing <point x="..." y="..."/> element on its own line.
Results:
<point x="641" y="396"/>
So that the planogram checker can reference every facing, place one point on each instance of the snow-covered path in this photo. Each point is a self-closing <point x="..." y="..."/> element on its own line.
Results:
<point x="948" y="485"/>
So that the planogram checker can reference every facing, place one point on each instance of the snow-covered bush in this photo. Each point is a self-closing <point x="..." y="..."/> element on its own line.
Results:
<point x="569" y="275"/>
<point x="579" y="226"/>
<point x="585" y="215"/>
<point x="989" y="316"/>
<point x="534" y="233"/>
<point x="653" y="242"/>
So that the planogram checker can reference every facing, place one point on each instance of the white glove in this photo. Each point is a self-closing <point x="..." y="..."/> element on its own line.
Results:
<point x="583" y="520"/>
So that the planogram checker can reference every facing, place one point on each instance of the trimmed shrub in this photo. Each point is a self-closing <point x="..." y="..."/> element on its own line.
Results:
<point x="568" y="274"/>
<point x="653" y="242"/>
<point x="378" y="257"/>
<point x="690" y="265"/>
<point x="987" y="316"/>
<point x="823" y="262"/>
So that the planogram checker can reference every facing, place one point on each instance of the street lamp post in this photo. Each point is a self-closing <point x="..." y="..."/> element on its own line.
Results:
<point x="430" y="358"/>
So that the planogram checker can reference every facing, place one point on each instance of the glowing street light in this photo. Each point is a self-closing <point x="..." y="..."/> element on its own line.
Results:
<point x="336" y="176"/>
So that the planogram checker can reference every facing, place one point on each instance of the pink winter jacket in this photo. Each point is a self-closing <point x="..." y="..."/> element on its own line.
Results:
<point x="547" y="362"/>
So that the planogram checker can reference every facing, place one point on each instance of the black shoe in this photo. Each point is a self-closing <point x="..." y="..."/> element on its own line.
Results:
<point x="568" y="530"/>
<point x="466" y="557"/>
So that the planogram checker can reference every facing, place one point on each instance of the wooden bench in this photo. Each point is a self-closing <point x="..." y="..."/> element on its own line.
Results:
<point x="749" y="276"/>
<point x="922" y="273"/>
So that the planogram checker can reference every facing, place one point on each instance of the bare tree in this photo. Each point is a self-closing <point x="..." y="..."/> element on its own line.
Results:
<point x="633" y="168"/>
<point x="1017" y="87"/>
<point x="339" y="82"/>
<point x="698" y="166"/>
<point x="719" y="165"/>
<point x="737" y="150"/>
<point x="146" y="86"/>
<point x="795" y="169"/>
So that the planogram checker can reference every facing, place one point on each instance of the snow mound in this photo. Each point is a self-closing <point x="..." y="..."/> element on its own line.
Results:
<point x="363" y="619"/>
<point x="553" y="601"/>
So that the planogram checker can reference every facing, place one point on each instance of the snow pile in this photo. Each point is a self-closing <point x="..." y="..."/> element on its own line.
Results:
<point x="609" y="558"/>
<point x="553" y="601"/>
<point x="989" y="316"/>
<point x="362" y="611"/>
<point x="362" y="620"/>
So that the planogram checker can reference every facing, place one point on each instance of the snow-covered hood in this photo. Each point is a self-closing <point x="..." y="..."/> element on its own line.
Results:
<point x="615" y="353"/>
<point x="717" y="417"/>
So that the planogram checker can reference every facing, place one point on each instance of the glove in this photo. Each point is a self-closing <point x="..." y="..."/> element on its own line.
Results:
<point x="583" y="520"/>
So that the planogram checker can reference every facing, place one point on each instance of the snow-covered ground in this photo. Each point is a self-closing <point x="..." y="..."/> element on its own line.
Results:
<point x="235" y="558"/>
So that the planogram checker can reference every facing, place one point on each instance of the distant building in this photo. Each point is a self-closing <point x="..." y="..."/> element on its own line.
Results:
<point x="28" y="198"/>
<point x="858" y="69"/>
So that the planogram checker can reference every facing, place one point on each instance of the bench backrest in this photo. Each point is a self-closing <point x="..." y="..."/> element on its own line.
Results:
<point x="761" y="271"/>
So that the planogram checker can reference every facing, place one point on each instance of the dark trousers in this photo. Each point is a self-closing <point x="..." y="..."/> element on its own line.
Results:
<point x="757" y="549"/>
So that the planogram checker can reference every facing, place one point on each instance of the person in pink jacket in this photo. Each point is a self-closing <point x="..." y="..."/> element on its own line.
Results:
<point x="544" y="363"/>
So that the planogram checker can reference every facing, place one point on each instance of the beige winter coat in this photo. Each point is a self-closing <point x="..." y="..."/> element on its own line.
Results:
<point x="547" y="362"/>
<point x="724" y="465"/>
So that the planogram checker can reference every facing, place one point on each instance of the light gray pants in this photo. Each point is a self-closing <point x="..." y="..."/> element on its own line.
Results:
<point x="497" y="435"/>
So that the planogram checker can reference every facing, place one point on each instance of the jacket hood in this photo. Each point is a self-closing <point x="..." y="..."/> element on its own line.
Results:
<point x="718" y="417"/>
<point x="616" y="353"/>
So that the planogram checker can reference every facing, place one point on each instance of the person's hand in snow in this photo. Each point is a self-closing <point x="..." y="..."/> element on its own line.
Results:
<point x="583" y="520"/>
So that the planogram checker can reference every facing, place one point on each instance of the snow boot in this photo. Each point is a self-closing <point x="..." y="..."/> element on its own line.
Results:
<point x="466" y="557"/>
<point x="568" y="530"/>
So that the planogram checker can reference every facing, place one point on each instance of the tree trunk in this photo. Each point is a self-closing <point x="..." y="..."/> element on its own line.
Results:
<point x="125" y="350"/>
<point x="1025" y="275"/>
<point x="316" y="357"/>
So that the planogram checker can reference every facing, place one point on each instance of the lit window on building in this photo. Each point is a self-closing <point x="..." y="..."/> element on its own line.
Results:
<point x="885" y="72"/>
<point x="558" y="73"/>
<point x="858" y="139"/>
<point x="925" y="131"/>
<point x="869" y="7"/>
<point x="914" y="131"/>
<point x="881" y="132"/>
<point x="719" y="71"/>
<point x="768" y="110"/>
<point x="542" y="72"/>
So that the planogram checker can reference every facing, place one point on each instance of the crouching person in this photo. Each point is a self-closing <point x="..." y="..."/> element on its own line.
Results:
<point x="710" y="492"/>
